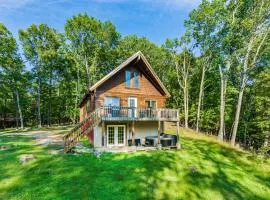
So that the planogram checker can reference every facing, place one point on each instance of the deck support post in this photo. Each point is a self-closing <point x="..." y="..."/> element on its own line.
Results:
<point x="103" y="133"/>
<point x="159" y="123"/>
<point x="178" y="144"/>
<point x="133" y="133"/>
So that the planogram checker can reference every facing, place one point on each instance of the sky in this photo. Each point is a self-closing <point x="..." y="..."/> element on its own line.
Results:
<point x="155" y="19"/>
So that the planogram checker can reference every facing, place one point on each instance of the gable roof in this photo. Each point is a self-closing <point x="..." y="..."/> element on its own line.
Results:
<point x="138" y="56"/>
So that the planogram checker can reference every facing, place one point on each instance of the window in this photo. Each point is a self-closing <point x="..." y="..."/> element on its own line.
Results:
<point x="151" y="104"/>
<point x="88" y="107"/>
<point x="136" y="79"/>
<point x="132" y="79"/>
<point x="128" y="77"/>
<point x="112" y="101"/>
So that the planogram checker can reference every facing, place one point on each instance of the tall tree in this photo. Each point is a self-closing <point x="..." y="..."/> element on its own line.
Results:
<point x="182" y="63"/>
<point x="90" y="44"/>
<point x="40" y="43"/>
<point x="12" y="67"/>
<point x="254" y="25"/>
<point x="200" y="27"/>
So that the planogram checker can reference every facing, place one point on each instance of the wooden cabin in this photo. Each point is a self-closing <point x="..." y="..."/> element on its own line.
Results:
<point x="127" y="105"/>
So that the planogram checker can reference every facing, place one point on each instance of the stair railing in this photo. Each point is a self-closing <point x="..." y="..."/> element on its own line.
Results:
<point x="73" y="137"/>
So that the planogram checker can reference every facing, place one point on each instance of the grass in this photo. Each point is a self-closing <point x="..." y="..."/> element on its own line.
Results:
<point x="202" y="169"/>
<point x="53" y="129"/>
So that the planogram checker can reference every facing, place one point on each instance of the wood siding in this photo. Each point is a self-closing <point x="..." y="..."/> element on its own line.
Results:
<point x="83" y="107"/>
<point x="116" y="87"/>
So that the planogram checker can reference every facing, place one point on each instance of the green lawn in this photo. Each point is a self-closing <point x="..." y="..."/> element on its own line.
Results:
<point x="203" y="169"/>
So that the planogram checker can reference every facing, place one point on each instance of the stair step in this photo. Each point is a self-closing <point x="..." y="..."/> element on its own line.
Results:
<point x="73" y="137"/>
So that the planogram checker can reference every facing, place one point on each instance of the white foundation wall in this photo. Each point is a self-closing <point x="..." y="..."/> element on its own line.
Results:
<point x="97" y="136"/>
<point x="144" y="129"/>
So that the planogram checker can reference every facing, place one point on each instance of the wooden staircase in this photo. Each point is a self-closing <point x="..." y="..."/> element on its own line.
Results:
<point x="73" y="137"/>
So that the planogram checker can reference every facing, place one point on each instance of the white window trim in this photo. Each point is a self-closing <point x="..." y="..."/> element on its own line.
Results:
<point x="116" y="145"/>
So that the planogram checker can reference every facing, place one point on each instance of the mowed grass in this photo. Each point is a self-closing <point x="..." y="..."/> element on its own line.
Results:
<point x="202" y="169"/>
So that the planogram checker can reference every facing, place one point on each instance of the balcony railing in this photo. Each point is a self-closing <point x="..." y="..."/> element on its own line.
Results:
<point x="113" y="113"/>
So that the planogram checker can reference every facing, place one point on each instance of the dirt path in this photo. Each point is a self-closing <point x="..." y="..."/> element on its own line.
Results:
<point x="42" y="137"/>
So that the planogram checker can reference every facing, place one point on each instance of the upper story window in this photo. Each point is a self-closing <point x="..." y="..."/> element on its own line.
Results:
<point x="132" y="79"/>
<point x="136" y="79"/>
<point x="112" y="101"/>
<point x="128" y="78"/>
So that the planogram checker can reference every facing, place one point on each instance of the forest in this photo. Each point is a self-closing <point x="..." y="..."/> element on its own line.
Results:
<point x="218" y="72"/>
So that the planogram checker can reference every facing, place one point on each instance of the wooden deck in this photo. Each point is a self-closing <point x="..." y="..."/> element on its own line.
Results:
<point x="103" y="114"/>
<point x="138" y="114"/>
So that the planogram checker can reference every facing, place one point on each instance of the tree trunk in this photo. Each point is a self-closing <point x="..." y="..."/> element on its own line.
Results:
<point x="223" y="90"/>
<point x="16" y="111"/>
<point x="223" y="87"/>
<point x="19" y="108"/>
<point x="241" y="91"/>
<point x="185" y="88"/>
<point x="50" y="101"/>
<point x="87" y="71"/>
<point x="200" y="99"/>
<point x="5" y="114"/>
<point x="77" y="96"/>
<point x="237" y="115"/>
<point x="185" y="107"/>
<point x="38" y="103"/>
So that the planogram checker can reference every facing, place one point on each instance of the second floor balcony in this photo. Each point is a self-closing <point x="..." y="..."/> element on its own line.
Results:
<point x="113" y="113"/>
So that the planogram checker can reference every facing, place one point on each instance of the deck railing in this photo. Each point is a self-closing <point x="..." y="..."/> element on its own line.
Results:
<point x="112" y="113"/>
<point x="109" y="113"/>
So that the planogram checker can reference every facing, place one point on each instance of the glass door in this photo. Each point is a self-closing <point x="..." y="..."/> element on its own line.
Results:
<point x="116" y="135"/>
<point x="132" y="104"/>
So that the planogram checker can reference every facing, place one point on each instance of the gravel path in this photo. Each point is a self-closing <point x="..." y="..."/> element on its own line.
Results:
<point x="42" y="137"/>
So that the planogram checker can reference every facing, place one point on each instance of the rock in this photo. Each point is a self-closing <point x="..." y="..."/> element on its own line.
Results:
<point x="193" y="169"/>
<point x="97" y="154"/>
<point x="26" y="158"/>
<point x="4" y="147"/>
<point x="44" y="141"/>
<point x="82" y="149"/>
<point x="54" y="152"/>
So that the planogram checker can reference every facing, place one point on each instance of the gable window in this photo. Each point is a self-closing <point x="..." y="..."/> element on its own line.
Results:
<point x="136" y="79"/>
<point x="132" y="79"/>
<point x="151" y="104"/>
<point x="128" y="78"/>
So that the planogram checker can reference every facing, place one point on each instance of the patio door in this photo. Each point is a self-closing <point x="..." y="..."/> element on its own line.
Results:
<point x="112" y="106"/>
<point x="132" y="104"/>
<point x="116" y="135"/>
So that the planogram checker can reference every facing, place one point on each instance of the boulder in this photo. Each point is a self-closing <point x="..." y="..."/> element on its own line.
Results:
<point x="26" y="158"/>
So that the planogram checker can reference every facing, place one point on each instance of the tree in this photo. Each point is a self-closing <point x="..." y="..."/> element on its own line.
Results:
<point x="200" y="27"/>
<point x="90" y="44"/>
<point x="157" y="56"/>
<point x="255" y="27"/>
<point x="40" y="44"/>
<point x="12" y="67"/>
<point x="182" y="63"/>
